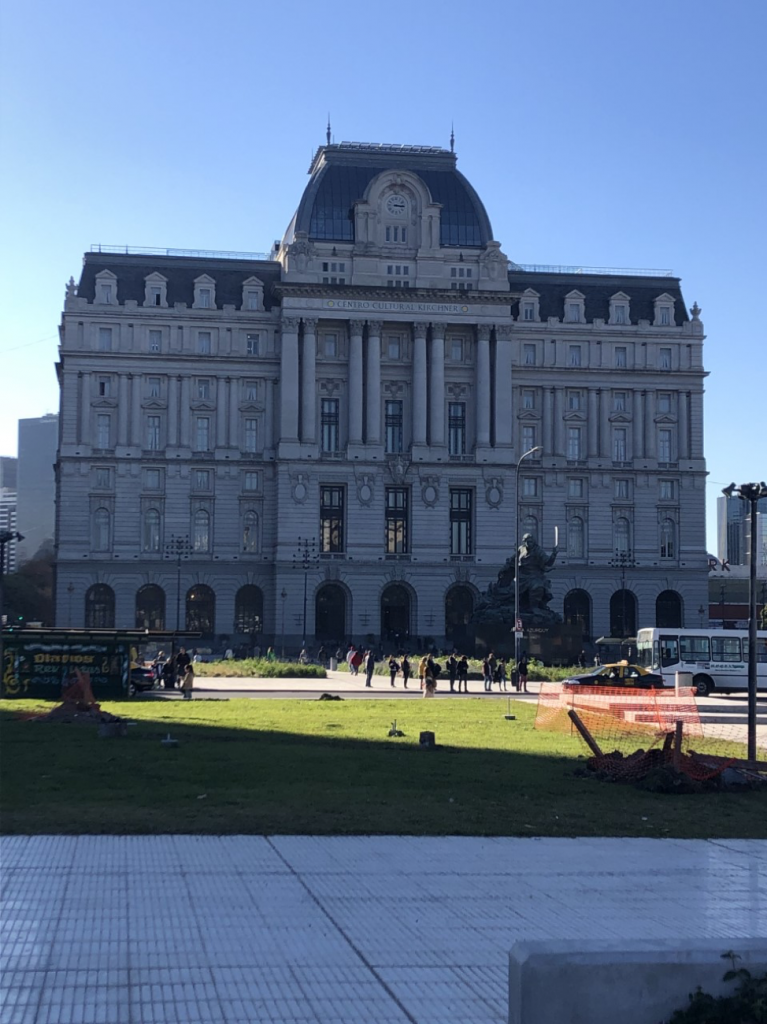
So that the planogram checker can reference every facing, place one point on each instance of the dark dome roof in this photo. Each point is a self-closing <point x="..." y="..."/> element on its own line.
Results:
<point x="341" y="173"/>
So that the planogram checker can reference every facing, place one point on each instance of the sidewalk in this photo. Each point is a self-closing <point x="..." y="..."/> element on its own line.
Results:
<point x="336" y="930"/>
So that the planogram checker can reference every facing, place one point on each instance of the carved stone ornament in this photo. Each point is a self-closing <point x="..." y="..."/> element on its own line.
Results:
<point x="438" y="331"/>
<point x="71" y="288"/>
<point x="290" y="324"/>
<point x="457" y="391"/>
<point x="330" y="386"/>
<point x="461" y="574"/>
<point x="356" y="327"/>
<point x="310" y="325"/>
<point x="398" y="469"/>
<point x="395" y="574"/>
<point x="300" y="489"/>
<point x="503" y="332"/>
<point x="365" y="485"/>
<point x="419" y="331"/>
<point x="430" y="490"/>
<point x="483" y="332"/>
<point x="494" y="262"/>
<point x="393" y="388"/>
<point x="494" y="492"/>
<point x="299" y="251"/>
<point x="696" y="310"/>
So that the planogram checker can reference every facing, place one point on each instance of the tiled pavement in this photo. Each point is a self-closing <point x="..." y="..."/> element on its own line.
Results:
<point x="108" y="929"/>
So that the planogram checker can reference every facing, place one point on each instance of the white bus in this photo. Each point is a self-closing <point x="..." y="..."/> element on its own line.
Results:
<point x="717" y="658"/>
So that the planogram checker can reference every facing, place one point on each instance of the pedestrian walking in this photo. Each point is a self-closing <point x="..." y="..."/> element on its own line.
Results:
<point x="522" y="674"/>
<point x="370" y="664"/>
<point x="183" y="661"/>
<point x="500" y="674"/>
<point x="463" y="674"/>
<point x="168" y="675"/>
<point x="393" y="669"/>
<point x="452" y="670"/>
<point x="426" y="675"/>
<point x="322" y="656"/>
<point x="406" y="669"/>
<point x="582" y="659"/>
<point x="187" y="683"/>
<point x="487" y="673"/>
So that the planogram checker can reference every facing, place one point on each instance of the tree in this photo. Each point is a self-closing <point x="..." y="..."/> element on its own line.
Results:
<point x="28" y="592"/>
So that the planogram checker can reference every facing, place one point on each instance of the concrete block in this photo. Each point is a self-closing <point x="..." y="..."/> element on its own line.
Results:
<point x="631" y="982"/>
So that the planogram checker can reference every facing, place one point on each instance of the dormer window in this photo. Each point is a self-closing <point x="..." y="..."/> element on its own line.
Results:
<point x="105" y="292"/>
<point x="529" y="306"/>
<point x="204" y="292"/>
<point x="155" y="290"/>
<point x="106" y="288"/>
<point x="620" y="309"/>
<point x="664" y="311"/>
<point x="253" y="295"/>
<point x="575" y="311"/>
<point x="620" y="314"/>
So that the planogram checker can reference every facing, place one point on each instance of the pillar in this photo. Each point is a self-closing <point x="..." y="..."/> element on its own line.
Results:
<point x="373" y="383"/>
<point x="419" y="383"/>
<point x="308" y="382"/>
<point x="85" y="409"/>
<point x="437" y="386"/>
<point x="221" y="397"/>
<point x="122" y="408"/>
<point x="355" y="381"/>
<point x="135" y="417"/>
<point x="683" y="449"/>
<point x="547" y="440"/>
<point x="559" y="421"/>
<point x="289" y="380"/>
<point x="503" y="381"/>
<point x="593" y="428"/>
<point x="483" y="386"/>
<point x="650" y="448"/>
<point x="185" y="436"/>
<point x="604" y="425"/>
<point x="234" y="413"/>
<point x="638" y="398"/>
<point x="174" y="384"/>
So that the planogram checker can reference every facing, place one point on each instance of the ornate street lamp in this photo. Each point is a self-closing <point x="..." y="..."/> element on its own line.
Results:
<point x="518" y="628"/>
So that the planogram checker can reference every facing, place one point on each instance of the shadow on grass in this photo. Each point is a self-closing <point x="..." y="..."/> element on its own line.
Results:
<point x="270" y="767"/>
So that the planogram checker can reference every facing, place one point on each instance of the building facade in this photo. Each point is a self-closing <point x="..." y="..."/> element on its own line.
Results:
<point x="8" y="466"/>
<point x="8" y="521"/>
<point x="38" y="444"/>
<point x="323" y="442"/>
<point x="734" y="531"/>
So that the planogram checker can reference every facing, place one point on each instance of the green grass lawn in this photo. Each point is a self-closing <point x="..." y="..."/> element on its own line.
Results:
<point x="294" y="766"/>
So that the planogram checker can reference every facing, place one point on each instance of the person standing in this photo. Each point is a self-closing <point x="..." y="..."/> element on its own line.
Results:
<point x="426" y="673"/>
<point x="356" y="662"/>
<point x="487" y="673"/>
<point x="370" y="664"/>
<point x="582" y="659"/>
<point x="322" y="656"/>
<point x="183" y="661"/>
<point x="393" y="669"/>
<point x="463" y="674"/>
<point x="500" y="674"/>
<point x="523" y="667"/>
<point x="452" y="670"/>
<point x="406" y="670"/>
<point x="187" y="683"/>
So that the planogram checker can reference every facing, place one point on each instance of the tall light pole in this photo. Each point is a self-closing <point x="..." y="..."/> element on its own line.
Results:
<point x="518" y="629"/>
<point x="751" y="493"/>
<point x="5" y="538"/>
<point x="624" y="560"/>
<point x="178" y="548"/>
<point x="284" y="596"/>
<point x="306" y="554"/>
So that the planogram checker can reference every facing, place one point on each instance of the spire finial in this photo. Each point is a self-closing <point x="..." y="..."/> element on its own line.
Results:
<point x="452" y="138"/>
<point x="327" y="133"/>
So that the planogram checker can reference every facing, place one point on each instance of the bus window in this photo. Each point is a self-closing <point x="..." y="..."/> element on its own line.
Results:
<point x="761" y="649"/>
<point x="669" y="651"/>
<point x="725" y="648"/>
<point x="694" y="648"/>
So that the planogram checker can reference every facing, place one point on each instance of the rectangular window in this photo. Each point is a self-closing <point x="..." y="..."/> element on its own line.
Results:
<point x="528" y="311"/>
<point x="396" y="538"/>
<point x="664" y="359"/>
<point x="573" y="401"/>
<point x="331" y="519"/>
<point x="575" y="488"/>
<point x="664" y="445"/>
<point x="620" y="314"/>
<point x="153" y="433"/>
<point x="456" y="350"/>
<point x="204" y="343"/>
<point x="393" y="347"/>
<point x="203" y="388"/>
<point x="105" y="387"/>
<point x="460" y="521"/>
<point x="394" y="427"/>
<point x="574" y="355"/>
<point x="528" y="355"/>
<point x="664" y="402"/>
<point x="528" y="438"/>
<point x="251" y="390"/>
<point x="153" y="387"/>
<point x="106" y="292"/>
<point x="725" y="648"/>
<point x="620" y="444"/>
<point x="621" y="357"/>
<point x="665" y="316"/>
<point x="250" y="482"/>
<point x="456" y="413"/>
<point x="529" y="487"/>
<point x="204" y="298"/>
<point x="574" y="312"/>
<point x="622" y="490"/>
<point x="694" y="648"/>
<point x="103" y="430"/>
<point x="528" y="398"/>
<point x="103" y="478"/>
<point x="251" y="435"/>
<point x="666" y="490"/>
<point x="573" y="442"/>
<point x="203" y="434"/>
<point x="330" y="346"/>
<point x="202" y="479"/>
<point x="619" y="401"/>
<point x="251" y="344"/>
<point x="105" y="339"/>
<point x="331" y="418"/>
<point x="152" y="479"/>
<point x="155" y="341"/>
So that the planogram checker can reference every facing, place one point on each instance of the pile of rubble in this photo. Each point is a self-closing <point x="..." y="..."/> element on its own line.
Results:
<point x="78" y="706"/>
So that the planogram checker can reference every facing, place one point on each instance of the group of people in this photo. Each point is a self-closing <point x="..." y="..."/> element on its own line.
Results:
<point x="172" y="670"/>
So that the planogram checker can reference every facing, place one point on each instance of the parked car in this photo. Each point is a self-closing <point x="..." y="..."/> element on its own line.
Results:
<point x="141" y="678"/>
<point x="620" y="674"/>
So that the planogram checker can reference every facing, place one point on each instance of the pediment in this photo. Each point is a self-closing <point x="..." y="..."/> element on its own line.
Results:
<point x="105" y="403"/>
<point x="575" y="414"/>
<point x="619" y="417"/>
<point x="253" y="282"/>
<point x="620" y="297"/>
<point x="575" y="294"/>
<point x="154" y="403"/>
<point x="529" y="414"/>
<point x="665" y="297"/>
<point x="203" y="405"/>
<point x="155" y="278"/>
<point x="204" y="279"/>
<point x="665" y="418"/>
<point x="250" y="407"/>
<point x="106" y="275"/>
<point x="530" y="293"/>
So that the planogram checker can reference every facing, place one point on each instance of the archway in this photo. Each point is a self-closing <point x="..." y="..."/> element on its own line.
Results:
<point x="100" y="607"/>
<point x="330" y="613"/>
<point x="459" y="608"/>
<point x="150" y="607"/>
<point x="201" y="609"/>
<point x="395" y="613"/>
<point x="577" y="611"/>
<point x="249" y="610"/>
<point x="623" y="614"/>
<point x="668" y="610"/>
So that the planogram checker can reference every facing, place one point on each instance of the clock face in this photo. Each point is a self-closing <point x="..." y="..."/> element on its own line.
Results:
<point x="396" y="206"/>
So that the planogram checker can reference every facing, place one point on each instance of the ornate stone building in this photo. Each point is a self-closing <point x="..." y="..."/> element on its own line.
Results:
<point x="368" y="388"/>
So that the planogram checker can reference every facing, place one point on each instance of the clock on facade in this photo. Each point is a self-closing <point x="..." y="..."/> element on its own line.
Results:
<point x="396" y="206"/>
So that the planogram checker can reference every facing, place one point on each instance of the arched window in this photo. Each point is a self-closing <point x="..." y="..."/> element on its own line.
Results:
<point x="623" y="614"/>
<point x="668" y="610"/>
<point x="395" y="613"/>
<point x="250" y="531"/>
<point x="577" y="611"/>
<point x="249" y="610"/>
<point x="150" y="607"/>
<point x="668" y="539"/>
<point x="201" y="532"/>
<point x="459" y="608"/>
<point x="575" y="538"/>
<point x="150" y="540"/>
<point x="201" y="609"/>
<point x="622" y="536"/>
<point x="100" y="607"/>
<point x="101" y="530"/>
<point x="330" y="613"/>
<point x="530" y="525"/>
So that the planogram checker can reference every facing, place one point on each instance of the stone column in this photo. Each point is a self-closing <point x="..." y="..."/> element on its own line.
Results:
<point x="437" y="386"/>
<point x="683" y="444"/>
<point x="174" y="384"/>
<point x="135" y="418"/>
<point x="309" y="383"/>
<point x="559" y="422"/>
<point x="185" y="438"/>
<point x="268" y="413"/>
<point x="289" y="380"/>
<point x="638" y="399"/>
<point x="373" y="383"/>
<point x="220" y="412"/>
<point x="604" y="425"/>
<point x="593" y="449"/>
<point x="355" y="381"/>
<point x="503" y="380"/>
<point x="419" y="383"/>
<point x="122" y="408"/>
<point x="650" y="447"/>
<point x="234" y="413"/>
<point x="483" y="386"/>
<point x="547" y="439"/>
<point x="85" y="409"/>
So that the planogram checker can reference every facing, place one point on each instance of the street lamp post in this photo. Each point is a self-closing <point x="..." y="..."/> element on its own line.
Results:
<point x="624" y="560"/>
<point x="751" y="493"/>
<point x="178" y="548"/>
<point x="284" y="596"/>
<point x="70" y="591"/>
<point x="306" y="553"/>
<point x="518" y="632"/>
<point x="5" y="538"/>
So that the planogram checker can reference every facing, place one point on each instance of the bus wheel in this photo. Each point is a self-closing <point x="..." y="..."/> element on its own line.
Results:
<point x="703" y="686"/>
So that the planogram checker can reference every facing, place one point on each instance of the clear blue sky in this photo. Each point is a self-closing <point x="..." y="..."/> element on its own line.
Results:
<point x="628" y="133"/>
